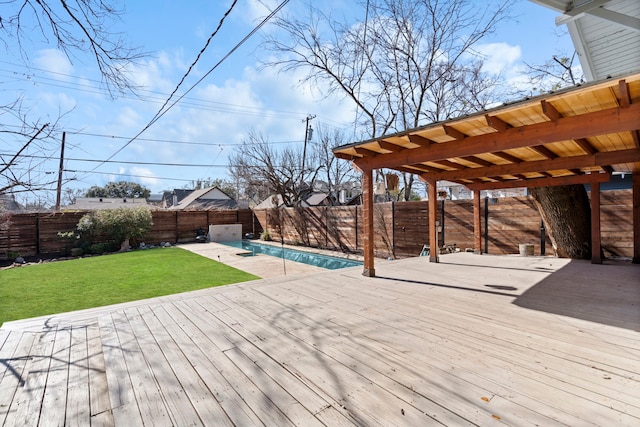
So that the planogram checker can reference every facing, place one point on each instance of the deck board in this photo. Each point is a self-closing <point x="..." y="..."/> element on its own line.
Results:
<point x="421" y="344"/>
<point x="124" y="407"/>
<point x="28" y="397"/>
<point x="78" y="410"/>
<point x="98" y="387"/>
<point x="14" y="377"/>
<point x="54" y="400"/>
<point x="201" y="351"/>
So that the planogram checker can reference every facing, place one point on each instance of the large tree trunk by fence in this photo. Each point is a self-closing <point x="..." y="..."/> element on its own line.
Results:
<point x="566" y="214"/>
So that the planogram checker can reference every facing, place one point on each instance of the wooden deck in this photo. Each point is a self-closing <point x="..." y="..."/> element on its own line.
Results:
<point x="474" y="340"/>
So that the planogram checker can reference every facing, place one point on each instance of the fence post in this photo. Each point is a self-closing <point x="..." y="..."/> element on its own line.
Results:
<point x="326" y="227"/>
<point x="356" y="215"/>
<point x="177" y="230"/>
<point x="393" y="229"/>
<point x="442" y="222"/>
<point x="38" y="233"/>
<point x="486" y="224"/>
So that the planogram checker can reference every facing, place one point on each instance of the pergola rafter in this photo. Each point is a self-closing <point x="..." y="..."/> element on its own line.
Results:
<point x="578" y="135"/>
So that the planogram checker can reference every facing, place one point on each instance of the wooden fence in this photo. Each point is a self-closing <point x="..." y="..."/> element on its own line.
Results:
<point x="400" y="228"/>
<point x="37" y="233"/>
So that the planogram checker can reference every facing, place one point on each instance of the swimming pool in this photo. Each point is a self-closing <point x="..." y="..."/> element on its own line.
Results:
<point x="318" y="260"/>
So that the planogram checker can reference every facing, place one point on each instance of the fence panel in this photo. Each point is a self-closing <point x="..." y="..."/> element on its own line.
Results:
<point x="401" y="228"/>
<point x="37" y="233"/>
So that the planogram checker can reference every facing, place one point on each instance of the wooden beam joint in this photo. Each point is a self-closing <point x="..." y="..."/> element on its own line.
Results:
<point x="454" y="133"/>
<point x="625" y="95"/>
<point x="497" y="123"/>
<point x="550" y="111"/>
<point x="390" y="147"/>
<point x="420" y="140"/>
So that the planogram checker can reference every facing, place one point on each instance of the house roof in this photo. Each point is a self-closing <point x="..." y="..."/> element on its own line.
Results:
<point x="316" y="198"/>
<point x="8" y="203"/>
<point x="155" y="198"/>
<point x="581" y="134"/>
<point x="205" y="199"/>
<point x="271" y="202"/>
<point x="180" y="194"/>
<point x="95" y="203"/>
<point x="605" y="33"/>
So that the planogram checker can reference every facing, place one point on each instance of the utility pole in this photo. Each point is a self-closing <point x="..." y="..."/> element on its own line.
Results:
<point x="308" y="132"/>
<point x="59" y="189"/>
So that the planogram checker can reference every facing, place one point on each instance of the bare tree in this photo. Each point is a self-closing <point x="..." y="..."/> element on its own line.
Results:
<point x="410" y="62"/>
<point x="556" y="73"/>
<point x="26" y="145"/>
<point x="75" y="27"/>
<point x="333" y="171"/>
<point x="256" y="160"/>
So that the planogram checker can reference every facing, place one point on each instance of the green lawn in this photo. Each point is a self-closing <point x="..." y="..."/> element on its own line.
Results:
<point x="59" y="287"/>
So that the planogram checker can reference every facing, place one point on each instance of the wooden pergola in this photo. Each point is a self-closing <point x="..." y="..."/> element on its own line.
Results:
<point x="575" y="136"/>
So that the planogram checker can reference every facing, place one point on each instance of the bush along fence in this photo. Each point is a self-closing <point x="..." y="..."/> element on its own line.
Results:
<point x="39" y="233"/>
<point x="401" y="228"/>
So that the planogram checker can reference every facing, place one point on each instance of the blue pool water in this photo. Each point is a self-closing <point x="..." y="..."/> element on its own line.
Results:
<point x="323" y="261"/>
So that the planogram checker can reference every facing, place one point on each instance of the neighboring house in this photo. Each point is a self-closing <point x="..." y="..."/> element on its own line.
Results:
<point x="173" y="197"/>
<point x="317" y="198"/>
<point x="8" y="203"/>
<point x="272" y="202"/>
<point x="206" y="199"/>
<point x="96" y="203"/>
<point x="155" y="200"/>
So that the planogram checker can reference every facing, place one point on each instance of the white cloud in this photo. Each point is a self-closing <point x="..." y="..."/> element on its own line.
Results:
<point x="144" y="176"/>
<point x="55" y="62"/>
<point x="498" y="57"/>
<point x="257" y="10"/>
<point x="155" y="74"/>
<point x="127" y="119"/>
<point x="58" y="103"/>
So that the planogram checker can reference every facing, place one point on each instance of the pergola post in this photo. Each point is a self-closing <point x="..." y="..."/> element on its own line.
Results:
<point x="367" y="202"/>
<point x="433" y="216"/>
<point x="636" y="217"/>
<point x="596" y="247"/>
<point x="477" y="221"/>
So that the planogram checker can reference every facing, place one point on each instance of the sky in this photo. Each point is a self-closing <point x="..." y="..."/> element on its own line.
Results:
<point x="236" y="98"/>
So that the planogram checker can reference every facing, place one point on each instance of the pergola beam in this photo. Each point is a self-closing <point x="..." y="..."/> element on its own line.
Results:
<point x="542" y="182"/>
<point x="613" y="120"/>
<point x="365" y="152"/>
<point x="390" y="147"/>
<point x="420" y="140"/>
<point x="560" y="163"/>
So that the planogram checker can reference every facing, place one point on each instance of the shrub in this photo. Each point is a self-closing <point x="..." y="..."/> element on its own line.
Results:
<point x="118" y="225"/>
<point x="265" y="235"/>
<point x="100" y="248"/>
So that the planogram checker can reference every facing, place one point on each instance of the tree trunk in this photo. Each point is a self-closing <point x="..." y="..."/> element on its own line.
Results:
<point x="566" y="213"/>
<point x="124" y="246"/>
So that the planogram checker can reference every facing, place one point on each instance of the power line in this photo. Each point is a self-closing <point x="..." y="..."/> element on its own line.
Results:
<point x="236" y="47"/>
<point x="201" y="104"/>
<point x="31" y="156"/>
<point x="193" y="64"/>
<point x="127" y="174"/>
<point x="169" y="141"/>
